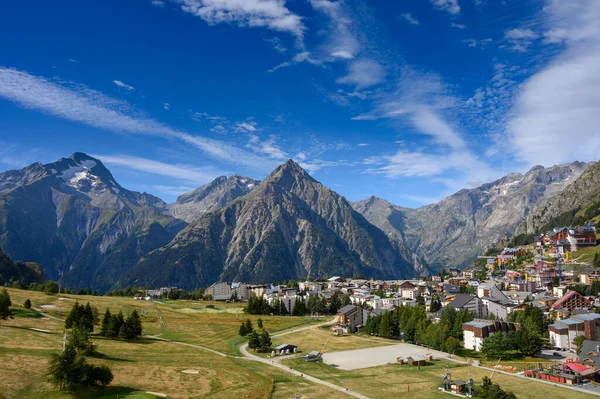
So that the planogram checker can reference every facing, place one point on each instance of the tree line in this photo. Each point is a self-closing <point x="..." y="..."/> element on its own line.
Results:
<point x="259" y="305"/>
<point x="411" y="324"/>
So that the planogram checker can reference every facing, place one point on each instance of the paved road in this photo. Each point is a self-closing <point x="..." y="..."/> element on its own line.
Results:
<point x="276" y="363"/>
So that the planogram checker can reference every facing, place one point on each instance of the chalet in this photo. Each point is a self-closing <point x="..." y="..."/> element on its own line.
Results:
<point x="590" y="356"/>
<point x="477" y="330"/>
<point x="563" y="332"/>
<point x="569" y="239"/>
<point x="571" y="300"/>
<point x="450" y="289"/>
<point x="350" y="317"/>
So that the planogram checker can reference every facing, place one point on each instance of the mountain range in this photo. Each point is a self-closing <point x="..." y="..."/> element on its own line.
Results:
<point x="87" y="231"/>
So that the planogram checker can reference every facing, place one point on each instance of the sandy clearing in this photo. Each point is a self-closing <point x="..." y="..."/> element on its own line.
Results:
<point x="190" y="371"/>
<point x="378" y="356"/>
<point x="40" y="330"/>
<point x="48" y="307"/>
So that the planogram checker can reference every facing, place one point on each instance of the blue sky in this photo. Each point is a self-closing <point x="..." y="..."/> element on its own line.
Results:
<point x="408" y="100"/>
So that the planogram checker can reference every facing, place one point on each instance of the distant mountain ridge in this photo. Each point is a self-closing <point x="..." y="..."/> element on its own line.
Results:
<point x="290" y="226"/>
<point x="75" y="220"/>
<point x="453" y="232"/>
<point x="210" y="197"/>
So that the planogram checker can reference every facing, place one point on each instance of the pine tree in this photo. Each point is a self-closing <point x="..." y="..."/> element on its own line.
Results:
<point x="254" y="341"/>
<point x="259" y="323"/>
<point x="265" y="341"/>
<point x="5" y="305"/>
<point x="116" y="324"/>
<point x="136" y="324"/>
<point x="248" y="326"/>
<point x="27" y="304"/>
<point x="106" y="324"/>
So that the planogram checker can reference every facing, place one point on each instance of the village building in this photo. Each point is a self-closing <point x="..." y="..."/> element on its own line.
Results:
<point x="569" y="239"/>
<point x="468" y="302"/>
<point x="476" y="331"/>
<point x="570" y="301"/>
<point x="563" y="332"/>
<point x="350" y="317"/>
<point x="219" y="291"/>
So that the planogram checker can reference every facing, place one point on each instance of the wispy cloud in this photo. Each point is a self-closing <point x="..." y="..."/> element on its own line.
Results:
<point x="341" y="42"/>
<point x="363" y="144"/>
<point x="450" y="6"/>
<point x="477" y="43"/>
<point x="457" y="26"/>
<point x="408" y="17"/>
<point x="158" y="3"/>
<point x="187" y="173"/>
<point x="166" y="106"/>
<point x="123" y="85"/>
<point x="556" y="115"/>
<point x="73" y="60"/>
<point x="90" y="107"/>
<point x="269" y="14"/>
<point x="520" y="39"/>
<point x="363" y="73"/>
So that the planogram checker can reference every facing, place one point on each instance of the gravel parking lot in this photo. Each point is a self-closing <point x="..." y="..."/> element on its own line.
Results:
<point x="371" y="357"/>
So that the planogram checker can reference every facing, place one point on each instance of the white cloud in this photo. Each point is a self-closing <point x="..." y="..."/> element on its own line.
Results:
<point x="73" y="61"/>
<point x="267" y="147"/>
<point x="248" y="126"/>
<point x="520" y="39"/>
<point x="363" y="144"/>
<point x="173" y="191"/>
<point x="363" y="73"/>
<point x="408" y="16"/>
<point x="158" y="3"/>
<point x="557" y="114"/>
<point x="457" y="26"/>
<point x="477" y="43"/>
<point x="341" y="42"/>
<point x="92" y="108"/>
<point x="270" y="14"/>
<point x="166" y="106"/>
<point x="450" y="6"/>
<point x="182" y="172"/>
<point x="123" y="85"/>
<point x="277" y="44"/>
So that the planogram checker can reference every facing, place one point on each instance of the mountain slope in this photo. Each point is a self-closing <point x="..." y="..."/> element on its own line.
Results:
<point x="288" y="227"/>
<point x="575" y="204"/>
<point x="26" y="273"/>
<point x="210" y="197"/>
<point x="71" y="217"/>
<point x="454" y="231"/>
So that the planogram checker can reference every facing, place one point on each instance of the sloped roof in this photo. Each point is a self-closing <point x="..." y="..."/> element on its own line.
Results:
<point x="461" y="300"/>
<point x="565" y="298"/>
<point x="348" y="309"/>
<point x="590" y="350"/>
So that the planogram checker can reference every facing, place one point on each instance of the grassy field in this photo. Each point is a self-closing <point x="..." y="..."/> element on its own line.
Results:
<point x="322" y="339"/>
<point x="393" y="381"/>
<point x="149" y="365"/>
<point x="156" y="366"/>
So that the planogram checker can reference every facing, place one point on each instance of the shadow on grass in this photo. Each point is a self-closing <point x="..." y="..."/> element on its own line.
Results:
<point x="27" y="328"/>
<point x="26" y="313"/>
<point x="111" y="393"/>
<point x="98" y="355"/>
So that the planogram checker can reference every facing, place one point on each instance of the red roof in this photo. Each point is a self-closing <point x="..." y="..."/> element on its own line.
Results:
<point x="559" y="304"/>
<point x="577" y="367"/>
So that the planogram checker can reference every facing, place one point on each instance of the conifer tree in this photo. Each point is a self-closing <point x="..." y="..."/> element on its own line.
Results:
<point x="106" y="324"/>
<point x="5" y="305"/>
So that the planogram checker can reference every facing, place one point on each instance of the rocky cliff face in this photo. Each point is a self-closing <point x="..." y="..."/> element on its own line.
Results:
<point x="288" y="227"/>
<point x="211" y="197"/>
<point x="77" y="222"/>
<point x="577" y="202"/>
<point x="458" y="228"/>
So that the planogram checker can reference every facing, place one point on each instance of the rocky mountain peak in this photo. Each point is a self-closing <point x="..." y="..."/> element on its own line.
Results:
<point x="83" y="173"/>
<point x="289" y="174"/>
